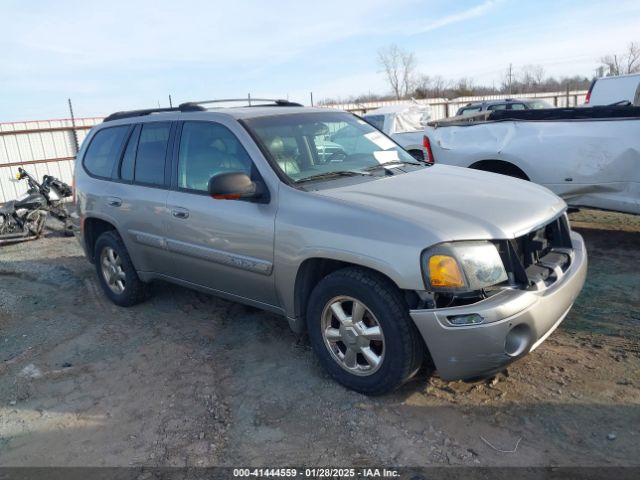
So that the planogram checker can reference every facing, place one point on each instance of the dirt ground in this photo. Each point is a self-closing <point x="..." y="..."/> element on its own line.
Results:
<point x="190" y="380"/>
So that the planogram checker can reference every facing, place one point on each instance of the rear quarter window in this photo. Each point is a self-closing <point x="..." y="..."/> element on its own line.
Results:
<point x="104" y="151"/>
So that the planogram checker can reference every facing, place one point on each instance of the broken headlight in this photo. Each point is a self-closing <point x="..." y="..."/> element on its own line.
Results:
<point x="462" y="266"/>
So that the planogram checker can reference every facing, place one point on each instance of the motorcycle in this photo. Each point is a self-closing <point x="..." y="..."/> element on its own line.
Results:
<point x="24" y="218"/>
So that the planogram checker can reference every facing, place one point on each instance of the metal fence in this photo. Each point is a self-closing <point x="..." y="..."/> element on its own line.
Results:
<point x="444" y="108"/>
<point x="46" y="147"/>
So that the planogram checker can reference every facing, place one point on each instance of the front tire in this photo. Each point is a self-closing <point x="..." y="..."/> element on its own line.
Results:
<point x="359" y="326"/>
<point x="116" y="273"/>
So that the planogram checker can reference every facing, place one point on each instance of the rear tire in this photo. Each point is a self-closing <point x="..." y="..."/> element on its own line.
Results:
<point x="116" y="273"/>
<point x="376" y="347"/>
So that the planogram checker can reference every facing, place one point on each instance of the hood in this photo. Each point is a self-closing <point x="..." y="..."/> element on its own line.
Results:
<point x="454" y="203"/>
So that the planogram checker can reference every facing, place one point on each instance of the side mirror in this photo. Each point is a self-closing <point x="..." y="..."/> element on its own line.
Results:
<point x="234" y="186"/>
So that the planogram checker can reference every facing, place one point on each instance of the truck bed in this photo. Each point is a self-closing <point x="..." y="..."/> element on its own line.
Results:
<point x="546" y="115"/>
<point x="588" y="156"/>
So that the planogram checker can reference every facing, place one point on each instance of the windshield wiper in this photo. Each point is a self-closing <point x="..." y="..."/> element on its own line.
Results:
<point x="337" y="173"/>
<point x="389" y="164"/>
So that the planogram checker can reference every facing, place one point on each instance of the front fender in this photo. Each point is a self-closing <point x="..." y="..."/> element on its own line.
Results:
<point x="314" y="226"/>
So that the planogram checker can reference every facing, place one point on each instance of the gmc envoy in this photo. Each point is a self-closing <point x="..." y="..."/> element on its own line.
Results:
<point x="384" y="260"/>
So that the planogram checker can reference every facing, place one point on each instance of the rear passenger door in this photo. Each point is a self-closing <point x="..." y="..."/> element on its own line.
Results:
<point x="224" y="245"/>
<point x="139" y="194"/>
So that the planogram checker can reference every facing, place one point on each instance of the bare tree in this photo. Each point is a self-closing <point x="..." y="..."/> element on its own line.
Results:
<point x="423" y="87"/>
<point x="440" y="85"/>
<point x="532" y="77"/>
<point x="621" y="64"/>
<point x="612" y="63"/>
<point x="399" y="66"/>
<point x="430" y="87"/>
<point x="464" y="87"/>
<point x="633" y="58"/>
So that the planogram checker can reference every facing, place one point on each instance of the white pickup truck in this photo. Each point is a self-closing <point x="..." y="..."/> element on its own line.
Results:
<point x="609" y="90"/>
<point x="403" y="123"/>
<point x="588" y="156"/>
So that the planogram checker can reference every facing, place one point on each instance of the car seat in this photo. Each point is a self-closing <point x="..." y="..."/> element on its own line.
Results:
<point x="286" y="163"/>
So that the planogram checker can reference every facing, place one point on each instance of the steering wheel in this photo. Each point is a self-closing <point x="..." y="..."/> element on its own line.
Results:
<point x="338" y="156"/>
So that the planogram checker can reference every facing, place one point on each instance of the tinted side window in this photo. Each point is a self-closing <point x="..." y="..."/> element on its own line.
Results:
<point x="208" y="149"/>
<point x="104" y="150"/>
<point x="128" y="160"/>
<point x="152" y="149"/>
<point x="499" y="106"/>
<point x="518" y="106"/>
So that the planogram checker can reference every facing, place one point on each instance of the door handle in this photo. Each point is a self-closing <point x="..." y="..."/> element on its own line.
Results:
<point x="180" y="212"/>
<point x="114" y="201"/>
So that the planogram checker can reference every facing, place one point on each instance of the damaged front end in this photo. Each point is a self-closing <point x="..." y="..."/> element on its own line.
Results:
<point x="488" y="303"/>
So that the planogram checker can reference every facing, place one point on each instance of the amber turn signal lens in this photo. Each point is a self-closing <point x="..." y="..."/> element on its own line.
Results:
<point x="445" y="272"/>
<point x="18" y="176"/>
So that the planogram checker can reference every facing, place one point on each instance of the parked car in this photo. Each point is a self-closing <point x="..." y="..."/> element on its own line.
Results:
<point x="503" y="104"/>
<point x="618" y="89"/>
<point x="588" y="156"/>
<point x="380" y="258"/>
<point x="403" y="123"/>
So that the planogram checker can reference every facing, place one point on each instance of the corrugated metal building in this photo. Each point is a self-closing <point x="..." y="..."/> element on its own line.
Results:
<point x="44" y="147"/>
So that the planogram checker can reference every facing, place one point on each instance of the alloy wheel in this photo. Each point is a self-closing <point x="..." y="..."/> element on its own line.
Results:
<point x="353" y="335"/>
<point x="112" y="271"/>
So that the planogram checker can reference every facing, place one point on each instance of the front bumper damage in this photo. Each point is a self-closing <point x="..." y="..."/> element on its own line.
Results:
<point x="515" y="323"/>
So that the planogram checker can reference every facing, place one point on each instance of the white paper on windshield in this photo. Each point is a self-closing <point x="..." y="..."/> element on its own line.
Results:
<point x="380" y="140"/>
<point x="386" y="157"/>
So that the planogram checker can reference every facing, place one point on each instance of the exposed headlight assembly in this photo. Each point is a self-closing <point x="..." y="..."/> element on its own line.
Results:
<point x="462" y="266"/>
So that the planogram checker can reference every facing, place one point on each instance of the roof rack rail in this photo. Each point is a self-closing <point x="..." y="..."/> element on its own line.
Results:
<point x="197" y="106"/>
<point x="149" y="111"/>
<point x="248" y="100"/>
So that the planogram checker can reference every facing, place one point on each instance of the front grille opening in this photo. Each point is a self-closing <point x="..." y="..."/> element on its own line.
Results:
<point x="532" y="260"/>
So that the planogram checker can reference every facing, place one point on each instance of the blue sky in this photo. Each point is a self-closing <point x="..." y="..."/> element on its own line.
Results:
<point x="118" y="55"/>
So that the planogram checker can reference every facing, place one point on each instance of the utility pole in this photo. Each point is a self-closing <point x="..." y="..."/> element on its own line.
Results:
<point x="510" y="77"/>
<point x="170" y="102"/>
<point x="311" y="95"/>
<point x="74" y="134"/>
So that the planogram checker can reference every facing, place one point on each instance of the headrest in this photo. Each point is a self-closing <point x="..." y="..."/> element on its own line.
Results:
<point x="276" y="146"/>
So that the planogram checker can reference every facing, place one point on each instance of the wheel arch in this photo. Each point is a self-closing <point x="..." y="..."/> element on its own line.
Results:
<point x="312" y="270"/>
<point x="92" y="228"/>
<point x="502" y="167"/>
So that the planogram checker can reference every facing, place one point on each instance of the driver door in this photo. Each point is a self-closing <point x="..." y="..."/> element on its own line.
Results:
<point x="223" y="245"/>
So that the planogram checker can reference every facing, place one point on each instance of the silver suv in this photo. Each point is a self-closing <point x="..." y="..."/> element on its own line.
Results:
<point x="385" y="261"/>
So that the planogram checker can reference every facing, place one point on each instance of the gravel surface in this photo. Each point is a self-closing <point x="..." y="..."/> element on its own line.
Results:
<point x="186" y="379"/>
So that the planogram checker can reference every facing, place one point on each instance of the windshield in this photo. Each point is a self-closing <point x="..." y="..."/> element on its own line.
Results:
<point x="319" y="145"/>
